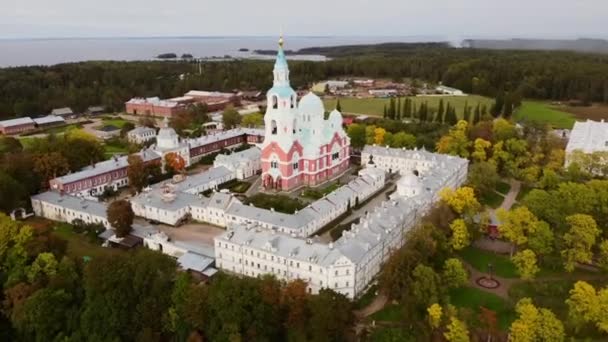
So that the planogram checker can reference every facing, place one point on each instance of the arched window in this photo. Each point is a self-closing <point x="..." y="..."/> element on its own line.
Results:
<point x="273" y="127"/>
<point x="294" y="99"/>
<point x="274" y="101"/>
<point x="294" y="126"/>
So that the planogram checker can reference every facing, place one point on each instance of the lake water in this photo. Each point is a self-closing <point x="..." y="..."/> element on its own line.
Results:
<point x="20" y="52"/>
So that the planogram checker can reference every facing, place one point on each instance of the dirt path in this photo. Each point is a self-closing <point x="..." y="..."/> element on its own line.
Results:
<point x="511" y="196"/>
<point x="376" y="305"/>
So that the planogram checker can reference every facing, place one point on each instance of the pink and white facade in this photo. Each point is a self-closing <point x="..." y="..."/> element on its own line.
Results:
<point x="301" y="147"/>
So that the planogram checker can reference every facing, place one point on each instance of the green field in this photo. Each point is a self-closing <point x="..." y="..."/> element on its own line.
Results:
<point x="543" y="112"/>
<point x="479" y="259"/>
<point x="375" y="106"/>
<point x="472" y="298"/>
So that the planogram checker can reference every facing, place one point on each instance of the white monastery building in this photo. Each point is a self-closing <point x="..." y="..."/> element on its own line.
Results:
<point x="349" y="264"/>
<point x="586" y="137"/>
<point x="141" y="135"/>
<point x="300" y="147"/>
<point x="244" y="164"/>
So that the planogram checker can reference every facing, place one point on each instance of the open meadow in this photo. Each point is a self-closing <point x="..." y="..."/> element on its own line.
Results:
<point x="543" y="112"/>
<point x="375" y="106"/>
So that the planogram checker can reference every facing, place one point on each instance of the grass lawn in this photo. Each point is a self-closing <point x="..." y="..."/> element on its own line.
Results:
<point x="392" y="334"/>
<point x="479" y="259"/>
<point x="375" y="106"/>
<point x="472" y="298"/>
<point x="543" y="112"/>
<point x="390" y="313"/>
<point x="62" y="129"/>
<point x="79" y="245"/>
<point x="280" y="203"/>
<point x="491" y="199"/>
<point x="117" y="122"/>
<point x="26" y="142"/>
<point x="503" y="187"/>
<point x="319" y="193"/>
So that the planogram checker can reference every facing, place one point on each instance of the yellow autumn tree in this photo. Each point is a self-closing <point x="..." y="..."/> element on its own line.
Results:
<point x="461" y="200"/>
<point x="579" y="240"/>
<point x="586" y="305"/>
<point x="460" y="234"/>
<point x="525" y="262"/>
<point x="457" y="331"/>
<point x="517" y="224"/>
<point x="479" y="149"/>
<point x="435" y="312"/>
<point x="456" y="142"/>
<point x="379" y="134"/>
<point x="534" y="324"/>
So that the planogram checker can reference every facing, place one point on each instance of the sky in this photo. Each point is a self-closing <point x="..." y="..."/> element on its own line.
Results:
<point x="440" y="18"/>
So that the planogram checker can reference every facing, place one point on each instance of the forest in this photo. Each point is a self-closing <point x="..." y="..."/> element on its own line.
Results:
<point x="533" y="74"/>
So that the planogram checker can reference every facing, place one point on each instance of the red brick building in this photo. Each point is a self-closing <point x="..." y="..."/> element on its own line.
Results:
<point x="17" y="126"/>
<point x="154" y="106"/>
<point x="214" y="100"/>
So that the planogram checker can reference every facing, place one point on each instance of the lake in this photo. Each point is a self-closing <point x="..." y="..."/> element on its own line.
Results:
<point x="21" y="52"/>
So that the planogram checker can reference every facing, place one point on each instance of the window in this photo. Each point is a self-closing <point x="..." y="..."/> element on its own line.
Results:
<point x="336" y="272"/>
<point x="335" y="156"/>
<point x="273" y="127"/>
<point x="296" y="165"/>
<point x="274" y="164"/>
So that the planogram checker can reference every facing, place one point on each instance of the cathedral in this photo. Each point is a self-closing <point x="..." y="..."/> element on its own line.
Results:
<point x="301" y="147"/>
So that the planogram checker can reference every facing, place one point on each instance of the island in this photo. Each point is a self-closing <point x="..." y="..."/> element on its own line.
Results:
<point x="169" y="55"/>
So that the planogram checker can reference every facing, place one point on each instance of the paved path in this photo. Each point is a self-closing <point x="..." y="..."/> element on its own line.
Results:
<point x="255" y="187"/>
<point x="511" y="196"/>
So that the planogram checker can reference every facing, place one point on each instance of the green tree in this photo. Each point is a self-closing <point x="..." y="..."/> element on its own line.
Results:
<point x="357" y="135"/>
<point x="483" y="177"/>
<point x="441" y="109"/>
<point x="231" y="118"/>
<point x="120" y="215"/>
<point x="45" y="265"/>
<point x="136" y="172"/>
<point x="454" y="274"/>
<point x="402" y="140"/>
<point x="425" y="287"/>
<point x="126" y="295"/>
<point x="579" y="240"/>
<point x="45" y="315"/>
<point x="541" y="241"/>
<point x="330" y="316"/>
<point x="12" y="193"/>
<point x="253" y="120"/>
